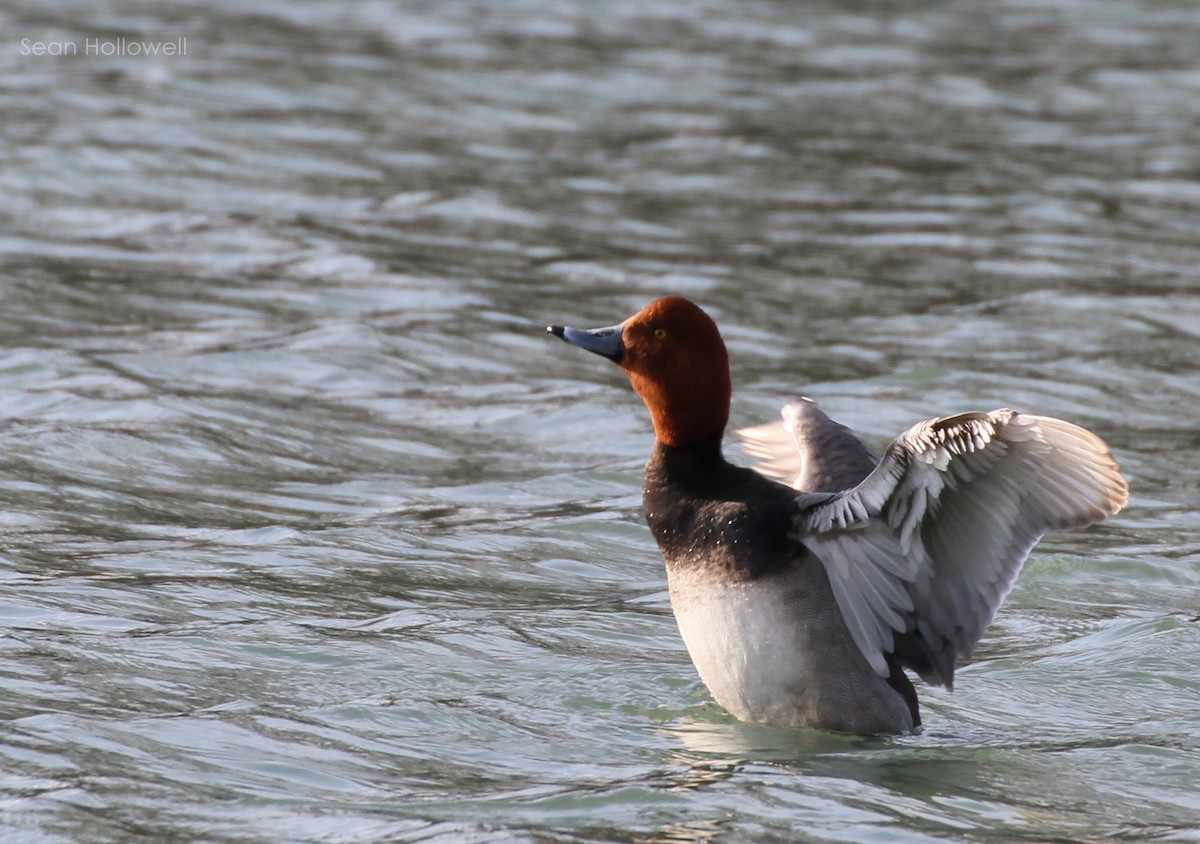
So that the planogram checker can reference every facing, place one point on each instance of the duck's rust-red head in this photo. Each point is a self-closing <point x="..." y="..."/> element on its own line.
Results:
<point x="676" y="360"/>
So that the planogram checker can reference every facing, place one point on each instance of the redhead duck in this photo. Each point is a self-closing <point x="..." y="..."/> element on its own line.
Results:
<point x="802" y="602"/>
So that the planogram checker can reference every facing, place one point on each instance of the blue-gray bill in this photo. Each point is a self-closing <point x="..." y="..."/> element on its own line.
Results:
<point x="605" y="342"/>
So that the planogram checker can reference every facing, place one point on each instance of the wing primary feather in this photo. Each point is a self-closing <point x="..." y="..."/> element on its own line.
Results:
<point x="923" y="549"/>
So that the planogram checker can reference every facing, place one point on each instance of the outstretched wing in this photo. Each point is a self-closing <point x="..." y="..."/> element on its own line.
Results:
<point x="922" y="552"/>
<point x="808" y="451"/>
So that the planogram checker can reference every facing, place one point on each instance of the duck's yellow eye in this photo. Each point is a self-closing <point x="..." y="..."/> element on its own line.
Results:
<point x="660" y="333"/>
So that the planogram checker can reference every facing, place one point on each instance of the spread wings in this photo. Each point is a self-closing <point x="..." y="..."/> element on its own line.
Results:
<point x="922" y="550"/>
<point x="808" y="450"/>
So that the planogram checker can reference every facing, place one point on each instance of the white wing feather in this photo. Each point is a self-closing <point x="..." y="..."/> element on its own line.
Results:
<point x="922" y="552"/>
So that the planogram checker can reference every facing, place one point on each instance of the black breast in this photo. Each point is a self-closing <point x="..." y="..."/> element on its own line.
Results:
<point x="706" y="512"/>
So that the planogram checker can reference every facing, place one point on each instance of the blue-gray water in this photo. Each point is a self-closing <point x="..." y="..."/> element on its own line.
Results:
<point x="309" y="534"/>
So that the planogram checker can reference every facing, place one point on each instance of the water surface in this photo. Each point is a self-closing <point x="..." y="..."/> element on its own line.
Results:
<point x="308" y="532"/>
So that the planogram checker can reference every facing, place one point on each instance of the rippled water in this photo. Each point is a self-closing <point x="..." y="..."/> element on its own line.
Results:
<point x="308" y="533"/>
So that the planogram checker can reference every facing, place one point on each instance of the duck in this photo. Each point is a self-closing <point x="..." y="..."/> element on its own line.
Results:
<point x="807" y="587"/>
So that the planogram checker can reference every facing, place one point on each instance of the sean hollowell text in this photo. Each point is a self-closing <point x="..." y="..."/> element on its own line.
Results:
<point x="104" y="47"/>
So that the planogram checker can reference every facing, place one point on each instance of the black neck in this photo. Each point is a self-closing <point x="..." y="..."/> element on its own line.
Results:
<point x="694" y="498"/>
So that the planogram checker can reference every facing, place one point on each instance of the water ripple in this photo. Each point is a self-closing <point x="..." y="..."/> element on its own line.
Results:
<point x="309" y="533"/>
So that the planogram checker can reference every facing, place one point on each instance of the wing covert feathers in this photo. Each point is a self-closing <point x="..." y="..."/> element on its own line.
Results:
<point x="924" y="548"/>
